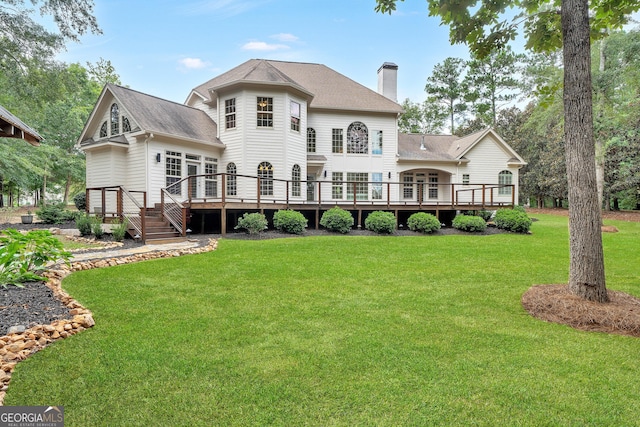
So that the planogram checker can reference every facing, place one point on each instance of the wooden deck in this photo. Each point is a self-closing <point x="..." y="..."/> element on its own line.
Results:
<point x="187" y="208"/>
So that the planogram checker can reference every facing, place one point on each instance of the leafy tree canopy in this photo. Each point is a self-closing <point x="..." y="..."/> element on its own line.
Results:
<point x="23" y="40"/>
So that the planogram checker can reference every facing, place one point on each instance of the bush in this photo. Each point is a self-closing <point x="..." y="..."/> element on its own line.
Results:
<point x="254" y="223"/>
<point x="23" y="255"/>
<point x="289" y="221"/>
<point x="515" y="220"/>
<point x="380" y="222"/>
<point x="56" y="214"/>
<point x="80" y="200"/>
<point x="423" y="222"/>
<point x="337" y="219"/>
<point x="470" y="223"/>
<point x="96" y="226"/>
<point x="119" y="229"/>
<point x="486" y="215"/>
<point x="83" y="224"/>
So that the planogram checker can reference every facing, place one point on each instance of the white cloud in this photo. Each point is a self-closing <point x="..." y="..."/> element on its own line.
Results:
<point x="264" y="47"/>
<point x="285" y="37"/>
<point x="193" y="63"/>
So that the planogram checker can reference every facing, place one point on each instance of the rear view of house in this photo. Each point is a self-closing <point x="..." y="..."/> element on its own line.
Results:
<point x="270" y="135"/>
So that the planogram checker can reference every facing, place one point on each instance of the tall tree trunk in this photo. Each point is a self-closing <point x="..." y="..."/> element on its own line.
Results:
<point x="586" y="264"/>
<point x="599" y="141"/>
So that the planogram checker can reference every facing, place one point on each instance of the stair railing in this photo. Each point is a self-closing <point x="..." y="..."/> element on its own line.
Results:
<point x="174" y="211"/>
<point x="133" y="211"/>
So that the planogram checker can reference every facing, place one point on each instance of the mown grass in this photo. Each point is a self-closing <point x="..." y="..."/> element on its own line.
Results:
<point x="73" y="245"/>
<point x="344" y="330"/>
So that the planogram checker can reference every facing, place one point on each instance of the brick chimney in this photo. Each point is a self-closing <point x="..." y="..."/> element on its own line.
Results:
<point x="388" y="81"/>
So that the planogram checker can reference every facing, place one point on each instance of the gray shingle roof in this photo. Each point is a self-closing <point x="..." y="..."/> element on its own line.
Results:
<point x="158" y="115"/>
<point x="328" y="88"/>
<point x="412" y="146"/>
<point x="8" y="124"/>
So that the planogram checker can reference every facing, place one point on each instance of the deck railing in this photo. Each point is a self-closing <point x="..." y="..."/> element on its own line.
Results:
<point x="118" y="202"/>
<point x="229" y="188"/>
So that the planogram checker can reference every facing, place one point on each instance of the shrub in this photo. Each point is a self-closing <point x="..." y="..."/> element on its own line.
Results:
<point x="119" y="229"/>
<point x="484" y="214"/>
<point x="23" y="255"/>
<point x="96" y="226"/>
<point x="254" y="223"/>
<point x="423" y="222"/>
<point x="289" y="221"/>
<point x="337" y="219"/>
<point x="56" y="214"/>
<point x="515" y="220"/>
<point x="469" y="223"/>
<point x="83" y="224"/>
<point x="380" y="222"/>
<point x="80" y="200"/>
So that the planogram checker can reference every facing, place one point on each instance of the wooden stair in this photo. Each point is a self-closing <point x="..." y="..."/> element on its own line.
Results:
<point x="158" y="230"/>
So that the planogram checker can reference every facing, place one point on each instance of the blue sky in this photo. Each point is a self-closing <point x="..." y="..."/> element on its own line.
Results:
<point x="166" y="47"/>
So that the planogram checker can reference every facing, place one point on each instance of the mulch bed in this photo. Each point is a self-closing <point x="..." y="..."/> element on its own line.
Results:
<point x="554" y="303"/>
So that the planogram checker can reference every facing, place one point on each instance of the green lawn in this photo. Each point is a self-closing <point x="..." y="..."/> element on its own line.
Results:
<point x="343" y="330"/>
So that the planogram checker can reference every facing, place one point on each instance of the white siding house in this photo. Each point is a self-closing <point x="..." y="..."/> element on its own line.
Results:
<point x="309" y="133"/>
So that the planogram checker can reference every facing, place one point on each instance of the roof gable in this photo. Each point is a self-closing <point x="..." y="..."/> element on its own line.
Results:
<point x="449" y="148"/>
<point x="326" y="88"/>
<point x="156" y="115"/>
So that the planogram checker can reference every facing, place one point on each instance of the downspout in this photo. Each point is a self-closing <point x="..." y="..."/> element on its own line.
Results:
<point x="148" y="168"/>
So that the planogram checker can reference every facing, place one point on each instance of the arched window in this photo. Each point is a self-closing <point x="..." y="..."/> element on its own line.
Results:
<point x="357" y="138"/>
<point x="311" y="140"/>
<point x="115" y="119"/>
<point x="232" y="180"/>
<point x="295" y="181"/>
<point x="104" y="129"/>
<point x="265" y="173"/>
<point x="505" y="178"/>
<point x="126" y="125"/>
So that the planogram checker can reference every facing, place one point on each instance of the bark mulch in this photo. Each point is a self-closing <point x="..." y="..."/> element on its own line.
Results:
<point x="554" y="303"/>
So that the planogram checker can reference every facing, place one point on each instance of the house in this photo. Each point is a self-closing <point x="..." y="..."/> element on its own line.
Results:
<point x="271" y="134"/>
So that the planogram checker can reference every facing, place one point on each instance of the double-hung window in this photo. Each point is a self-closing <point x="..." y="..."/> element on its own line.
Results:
<point x="230" y="113"/>
<point x="265" y="111"/>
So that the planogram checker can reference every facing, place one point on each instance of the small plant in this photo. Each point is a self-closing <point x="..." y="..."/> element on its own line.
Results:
<point x="515" y="220"/>
<point x="423" y="222"/>
<point x="119" y="229"/>
<point x="84" y="224"/>
<point x="23" y="255"/>
<point x="380" y="222"/>
<point x="337" y="219"/>
<point x="80" y="200"/>
<point x="485" y="214"/>
<point x="254" y="223"/>
<point x="289" y="221"/>
<point x="96" y="226"/>
<point x="469" y="223"/>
